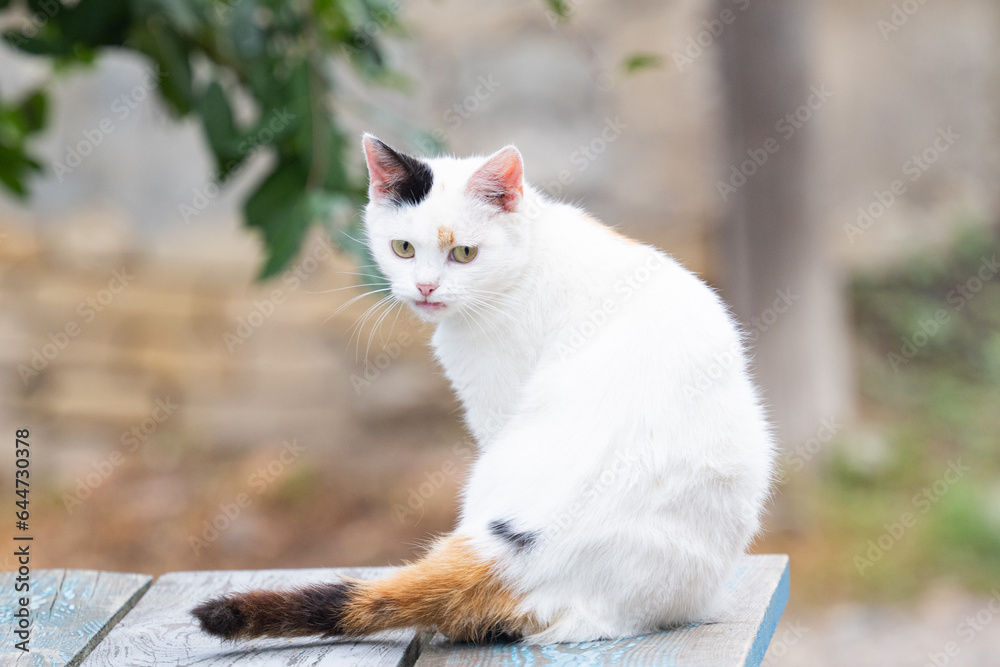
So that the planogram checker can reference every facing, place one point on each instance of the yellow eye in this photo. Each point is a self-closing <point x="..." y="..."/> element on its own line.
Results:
<point x="403" y="248"/>
<point x="464" y="253"/>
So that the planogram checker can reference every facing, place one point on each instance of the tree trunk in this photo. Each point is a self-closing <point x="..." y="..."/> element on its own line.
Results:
<point x="779" y="275"/>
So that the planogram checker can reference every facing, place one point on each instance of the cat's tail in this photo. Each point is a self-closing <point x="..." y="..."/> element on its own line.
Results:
<point x="452" y="589"/>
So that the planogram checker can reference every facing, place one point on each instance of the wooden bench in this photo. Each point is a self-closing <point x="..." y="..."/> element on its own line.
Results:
<point x="99" y="619"/>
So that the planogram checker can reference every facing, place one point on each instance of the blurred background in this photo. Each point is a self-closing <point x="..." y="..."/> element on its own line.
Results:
<point x="830" y="167"/>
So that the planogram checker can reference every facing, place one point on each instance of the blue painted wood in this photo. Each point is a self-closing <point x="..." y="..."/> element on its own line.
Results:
<point x="71" y="611"/>
<point x="737" y="637"/>
<point x="771" y="617"/>
<point x="161" y="631"/>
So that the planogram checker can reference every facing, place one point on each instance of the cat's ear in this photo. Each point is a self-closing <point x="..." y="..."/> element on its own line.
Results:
<point x="394" y="177"/>
<point x="500" y="181"/>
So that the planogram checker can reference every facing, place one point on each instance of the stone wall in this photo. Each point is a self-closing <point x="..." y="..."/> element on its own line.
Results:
<point x="94" y="337"/>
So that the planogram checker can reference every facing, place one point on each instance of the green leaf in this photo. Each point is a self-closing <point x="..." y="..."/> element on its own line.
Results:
<point x="182" y="14"/>
<point x="334" y="19"/>
<point x="52" y="46"/>
<point x="335" y="177"/>
<point x="220" y="128"/>
<point x="14" y="168"/>
<point x="280" y="208"/>
<point x="285" y="243"/>
<point x="272" y="55"/>
<point x="245" y="35"/>
<point x="170" y="53"/>
<point x="559" y="7"/>
<point x="33" y="111"/>
<point x="275" y="196"/>
<point x="297" y="93"/>
<point x="92" y="23"/>
<point x="640" y="61"/>
<point x="40" y="8"/>
<point x="13" y="182"/>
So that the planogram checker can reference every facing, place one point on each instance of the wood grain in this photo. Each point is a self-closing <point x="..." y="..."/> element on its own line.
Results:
<point x="71" y="611"/>
<point x="74" y="609"/>
<point x="738" y="637"/>
<point x="161" y="631"/>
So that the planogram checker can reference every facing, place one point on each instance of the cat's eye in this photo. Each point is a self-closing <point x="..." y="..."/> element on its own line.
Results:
<point x="464" y="253"/>
<point x="403" y="248"/>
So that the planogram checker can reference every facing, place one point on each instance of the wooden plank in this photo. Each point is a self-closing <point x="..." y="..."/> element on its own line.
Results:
<point x="161" y="631"/>
<point x="71" y="611"/>
<point x="738" y="637"/>
<point x="772" y="614"/>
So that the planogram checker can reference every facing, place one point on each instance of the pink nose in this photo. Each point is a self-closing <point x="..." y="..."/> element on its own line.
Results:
<point x="426" y="288"/>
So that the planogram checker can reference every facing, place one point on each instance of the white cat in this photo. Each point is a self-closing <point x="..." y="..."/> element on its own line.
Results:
<point x="624" y="455"/>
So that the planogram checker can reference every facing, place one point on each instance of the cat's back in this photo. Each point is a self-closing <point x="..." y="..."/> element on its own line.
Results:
<point x="596" y="282"/>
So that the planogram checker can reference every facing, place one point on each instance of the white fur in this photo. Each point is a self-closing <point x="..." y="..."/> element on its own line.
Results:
<point x="608" y="390"/>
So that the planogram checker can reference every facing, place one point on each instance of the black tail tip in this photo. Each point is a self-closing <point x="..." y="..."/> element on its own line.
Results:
<point x="220" y="617"/>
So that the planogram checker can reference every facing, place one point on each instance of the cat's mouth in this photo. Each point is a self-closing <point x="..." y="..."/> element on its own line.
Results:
<point x="430" y="306"/>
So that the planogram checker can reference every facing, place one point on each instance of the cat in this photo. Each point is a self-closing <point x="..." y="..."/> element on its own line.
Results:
<point x="625" y="457"/>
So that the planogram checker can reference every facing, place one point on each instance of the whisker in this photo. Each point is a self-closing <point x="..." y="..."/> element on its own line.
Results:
<point x="479" y="301"/>
<point x="376" y="326"/>
<point x="379" y="316"/>
<point x="359" y="325"/>
<point x="354" y="273"/>
<point x="471" y="318"/>
<point x="338" y="289"/>
<point x="344" y="232"/>
<point x="360" y="320"/>
<point x="484" y="302"/>
<point x="351" y="301"/>
<point x="395" y="319"/>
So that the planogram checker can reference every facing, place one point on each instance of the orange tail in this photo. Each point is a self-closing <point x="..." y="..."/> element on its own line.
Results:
<point x="451" y="589"/>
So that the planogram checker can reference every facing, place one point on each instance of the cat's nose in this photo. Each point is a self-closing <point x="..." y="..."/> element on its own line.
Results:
<point x="426" y="288"/>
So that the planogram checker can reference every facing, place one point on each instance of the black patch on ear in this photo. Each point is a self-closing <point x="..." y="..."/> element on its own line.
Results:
<point x="521" y="540"/>
<point x="415" y="179"/>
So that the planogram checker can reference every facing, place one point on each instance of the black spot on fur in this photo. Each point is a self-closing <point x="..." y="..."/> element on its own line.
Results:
<point x="313" y="610"/>
<point x="521" y="540"/>
<point x="414" y="179"/>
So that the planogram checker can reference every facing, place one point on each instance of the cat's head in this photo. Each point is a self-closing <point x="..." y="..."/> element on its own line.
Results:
<point x="449" y="234"/>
